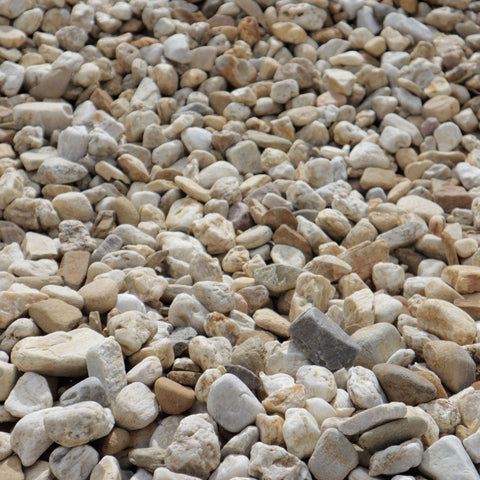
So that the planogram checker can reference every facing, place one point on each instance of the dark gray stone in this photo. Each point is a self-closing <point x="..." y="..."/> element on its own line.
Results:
<point x="89" y="389"/>
<point x="323" y="341"/>
<point x="245" y="375"/>
<point x="180" y="339"/>
<point x="111" y="244"/>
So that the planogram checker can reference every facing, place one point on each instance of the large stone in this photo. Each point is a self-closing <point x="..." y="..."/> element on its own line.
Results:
<point x="231" y="404"/>
<point x="48" y="115"/>
<point x="451" y="363"/>
<point x="78" y="424"/>
<point x="59" y="354"/>
<point x="53" y="315"/>
<point x="446" y="459"/>
<point x="446" y="321"/>
<point x="323" y="341"/>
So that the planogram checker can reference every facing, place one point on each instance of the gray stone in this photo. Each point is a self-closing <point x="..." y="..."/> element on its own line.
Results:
<point x="73" y="463"/>
<point x="278" y="278"/>
<point x="323" y="341"/>
<point x="232" y="404"/>
<point x="90" y="389"/>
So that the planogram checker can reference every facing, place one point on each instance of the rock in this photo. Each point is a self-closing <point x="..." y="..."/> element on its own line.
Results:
<point x="451" y="363"/>
<point x="396" y="459"/>
<point x="99" y="295"/>
<point x="334" y="456"/>
<point x="392" y="433"/>
<point x="135" y="407"/>
<point x="319" y="382"/>
<point x="30" y="394"/>
<point x="229" y="390"/>
<point x="372" y="417"/>
<point x="267" y="458"/>
<point x="77" y="462"/>
<point x="196" y="434"/>
<point x="53" y="315"/>
<point x="29" y="439"/>
<point x="446" y="321"/>
<point x="364" y="389"/>
<point x="90" y="389"/>
<point x="402" y="385"/>
<point x="78" y="424"/>
<point x="323" y="341"/>
<point x="300" y="431"/>
<point x="278" y="278"/>
<point x="172" y="397"/>
<point x="57" y="354"/>
<point x="446" y="458"/>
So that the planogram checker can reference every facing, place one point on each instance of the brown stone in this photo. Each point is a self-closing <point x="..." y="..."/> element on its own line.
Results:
<point x="99" y="295"/>
<point x="237" y="71"/>
<point x="105" y="222"/>
<point x="188" y="379"/>
<point x="10" y="232"/>
<point x="271" y="321"/>
<point x="116" y="441"/>
<point x="256" y="296"/>
<point x="101" y="99"/>
<point x="248" y="30"/>
<point x="53" y="315"/>
<point x="378" y="177"/>
<point x="11" y="469"/>
<point x="286" y="235"/>
<point x="450" y="196"/>
<point x="403" y="385"/>
<point x="329" y="266"/>
<point x="133" y="167"/>
<point x="463" y="278"/>
<point x="442" y="107"/>
<point x="275" y="217"/>
<point x="172" y="397"/>
<point x="364" y="256"/>
<point x="126" y="211"/>
<point x="451" y="363"/>
<point x="73" y="268"/>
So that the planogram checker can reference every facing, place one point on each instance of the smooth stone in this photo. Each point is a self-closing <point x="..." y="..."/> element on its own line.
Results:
<point x="446" y="321"/>
<point x="53" y="315"/>
<point x="73" y="463"/>
<point x="447" y="459"/>
<point x="90" y="389"/>
<point x="372" y="417"/>
<point x="243" y="406"/>
<point x="278" y="278"/>
<point x="364" y="389"/>
<point x="451" y="363"/>
<point x="396" y="459"/>
<point x="99" y="295"/>
<point x="58" y="354"/>
<point x="78" y="424"/>
<point x="404" y="385"/>
<point x="392" y="433"/>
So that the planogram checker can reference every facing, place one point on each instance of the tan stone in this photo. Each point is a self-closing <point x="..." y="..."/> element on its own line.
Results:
<point x="364" y="256"/>
<point x="463" y="278"/>
<point x="172" y="397"/>
<point x="53" y="315"/>
<point x="99" y="295"/>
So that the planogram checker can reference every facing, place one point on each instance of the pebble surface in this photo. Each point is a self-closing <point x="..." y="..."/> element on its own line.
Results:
<point x="239" y="239"/>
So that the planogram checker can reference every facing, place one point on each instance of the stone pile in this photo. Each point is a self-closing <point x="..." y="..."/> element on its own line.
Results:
<point x="239" y="240"/>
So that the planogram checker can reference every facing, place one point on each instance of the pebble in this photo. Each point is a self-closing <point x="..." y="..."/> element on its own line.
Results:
<point x="278" y="196"/>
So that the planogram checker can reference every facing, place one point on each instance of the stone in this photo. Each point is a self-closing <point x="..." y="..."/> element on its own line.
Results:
<point x="446" y="321"/>
<point x="334" y="456"/>
<point x="300" y="432"/>
<point x="197" y="435"/>
<point x="173" y="398"/>
<point x="78" y="424"/>
<point x="16" y="300"/>
<point x="99" y="295"/>
<point x="451" y="363"/>
<point x="392" y="433"/>
<point x="135" y="407"/>
<point x="176" y="48"/>
<point x="31" y="393"/>
<point x="57" y="354"/>
<point x="319" y="382"/>
<point x="364" y="388"/>
<point x="396" y="459"/>
<point x="372" y="417"/>
<point x="77" y="462"/>
<point x="210" y="352"/>
<point x="29" y="439"/>
<point x="54" y="315"/>
<point x="229" y="390"/>
<point x="447" y="459"/>
<point x="265" y="459"/>
<point x="214" y="296"/>
<point x="402" y="385"/>
<point x="105" y="362"/>
<point x="90" y="389"/>
<point x="323" y="341"/>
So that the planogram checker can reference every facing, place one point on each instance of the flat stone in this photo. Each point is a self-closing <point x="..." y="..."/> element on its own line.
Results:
<point x="372" y="417"/>
<point x="397" y="459"/>
<point x="446" y="321"/>
<point x="403" y="385"/>
<point x="59" y="354"/>
<point x="323" y="341"/>
<point x="53" y="315"/>
<point x="392" y="433"/>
